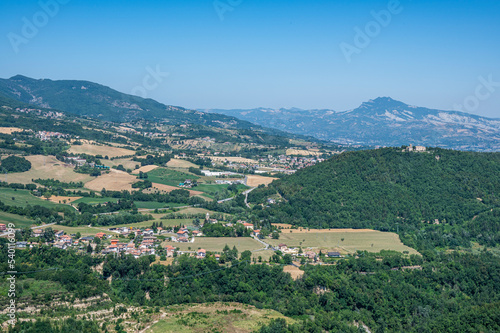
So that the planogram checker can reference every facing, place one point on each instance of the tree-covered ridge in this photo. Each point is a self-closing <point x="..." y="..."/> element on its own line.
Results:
<point x="389" y="292"/>
<point x="384" y="187"/>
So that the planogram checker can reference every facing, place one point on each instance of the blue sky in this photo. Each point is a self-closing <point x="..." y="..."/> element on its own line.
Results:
<point x="255" y="53"/>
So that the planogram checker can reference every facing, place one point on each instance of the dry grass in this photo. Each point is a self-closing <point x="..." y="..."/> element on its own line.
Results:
<point x="302" y="152"/>
<point x="168" y="188"/>
<point x="214" y="317"/>
<point x="84" y="231"/>
<point x="254" y="180"/>
<point x="295" y="272"/>
<point x="233" y="159"/>
<point x="178" y="163"/>
<point x="145" y="168"/>
<point x="60" y="199"/>
<point x="343" y="240"/>
<point x="10" y="130"/>
<point x="127" y="163"/>
<point x="115" y="180"/>
<point x="94" y="149"/>
<point x="47" y="167"/>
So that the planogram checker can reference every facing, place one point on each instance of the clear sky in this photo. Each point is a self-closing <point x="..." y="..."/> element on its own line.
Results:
<point x="251" y="53"/>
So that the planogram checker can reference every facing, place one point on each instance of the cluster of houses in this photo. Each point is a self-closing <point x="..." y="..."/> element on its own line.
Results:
<point x="307" y="254"/>
<point x="188" y="183"/>
<point x="183" y="235"/>
<point x="78" y="161"/>
<point x="290" y="162"/>
<point x="38" y="112"/>
<point x="146" y="247"/>
<point x="418" y="149"/>
<point x="282" y="163"/>
<point x="46" y="136"/>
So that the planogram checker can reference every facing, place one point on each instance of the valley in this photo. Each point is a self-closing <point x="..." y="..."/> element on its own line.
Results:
<point x="129" y="224"/>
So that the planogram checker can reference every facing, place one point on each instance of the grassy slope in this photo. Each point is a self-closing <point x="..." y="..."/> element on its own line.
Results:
<point x="19" y="221"/>
<point x="23" y="198"/>
<point x="216" y="317"/>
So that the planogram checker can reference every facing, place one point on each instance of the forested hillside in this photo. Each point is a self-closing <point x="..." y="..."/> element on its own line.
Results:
<point x="388" y="189"/>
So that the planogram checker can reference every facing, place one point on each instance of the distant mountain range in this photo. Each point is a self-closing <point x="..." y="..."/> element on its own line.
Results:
<point x="84" y="98"/>
<point x="382" y="122"/>
<point x="379" y="122"/>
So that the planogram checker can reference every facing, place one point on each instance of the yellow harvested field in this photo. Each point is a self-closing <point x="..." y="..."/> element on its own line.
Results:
<point x="301" y="230"/>
<point x="83" y="230"/>
<point x="145" y="168"/>
<point x="233" y="159"/>
<point x="178" y="163"/>
<point x="168" y="188"/>
<point x="127" y="163"/>
<point x="342" y="240"/>
<point x="60" y="199"/>
<point x="10" y="130"/>
<point x="94" y="149"/>
<point x="114" y="181"/>
<point x="295" y="272"/>
<point x="45" y="167"/>
<point x="302" y="152"/>
<point x="254" y="180"/>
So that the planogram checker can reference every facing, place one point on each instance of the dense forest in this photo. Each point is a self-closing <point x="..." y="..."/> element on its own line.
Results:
<point x="446" y="191"/>
<point x="440" y="292"/>
<point x="15" y="164"/>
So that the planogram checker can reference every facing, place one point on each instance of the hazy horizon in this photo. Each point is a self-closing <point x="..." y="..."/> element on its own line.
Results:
<point x="248" y="54"/>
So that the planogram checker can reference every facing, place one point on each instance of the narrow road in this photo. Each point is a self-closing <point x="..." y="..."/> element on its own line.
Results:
<point x="43" y="226"/>
<point x="246" y="195"/>
<point x="262" y="242"/>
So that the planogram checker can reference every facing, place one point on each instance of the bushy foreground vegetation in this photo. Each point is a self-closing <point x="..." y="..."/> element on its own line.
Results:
<point x="436" y="292"/>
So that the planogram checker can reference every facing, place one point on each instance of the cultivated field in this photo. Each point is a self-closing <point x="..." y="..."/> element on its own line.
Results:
<point x="61" y="199"/>
<point x="95" y="200"/>
<point x="145" y="168"/>
<point x="18" y="220"/>
<point x="114" y="181"/>
<point x="233" y="159"/>
<point x="166" y="223"/>
<point x="23" y="198"/>
<point x="46" y="167"/>
<point x="302" y="152"/>
<point x="215" y="244"/>
<point x="168" y="188"/>
<point x="353" y="240"/>
<point x="94" y="149"/>
<point x="178" y="163"/>
<point x="127" y="163"/>
<point x="83" y="230"/>
<point x="214" y="317"/>
<point x="10" y="130"/>
<point x="254" y="180"/>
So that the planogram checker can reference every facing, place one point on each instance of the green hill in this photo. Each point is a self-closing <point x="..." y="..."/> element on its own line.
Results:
<point x="387" y="189"/>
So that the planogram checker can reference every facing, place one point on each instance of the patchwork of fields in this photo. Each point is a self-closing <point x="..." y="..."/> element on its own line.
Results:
<point x="343" y="240"/>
